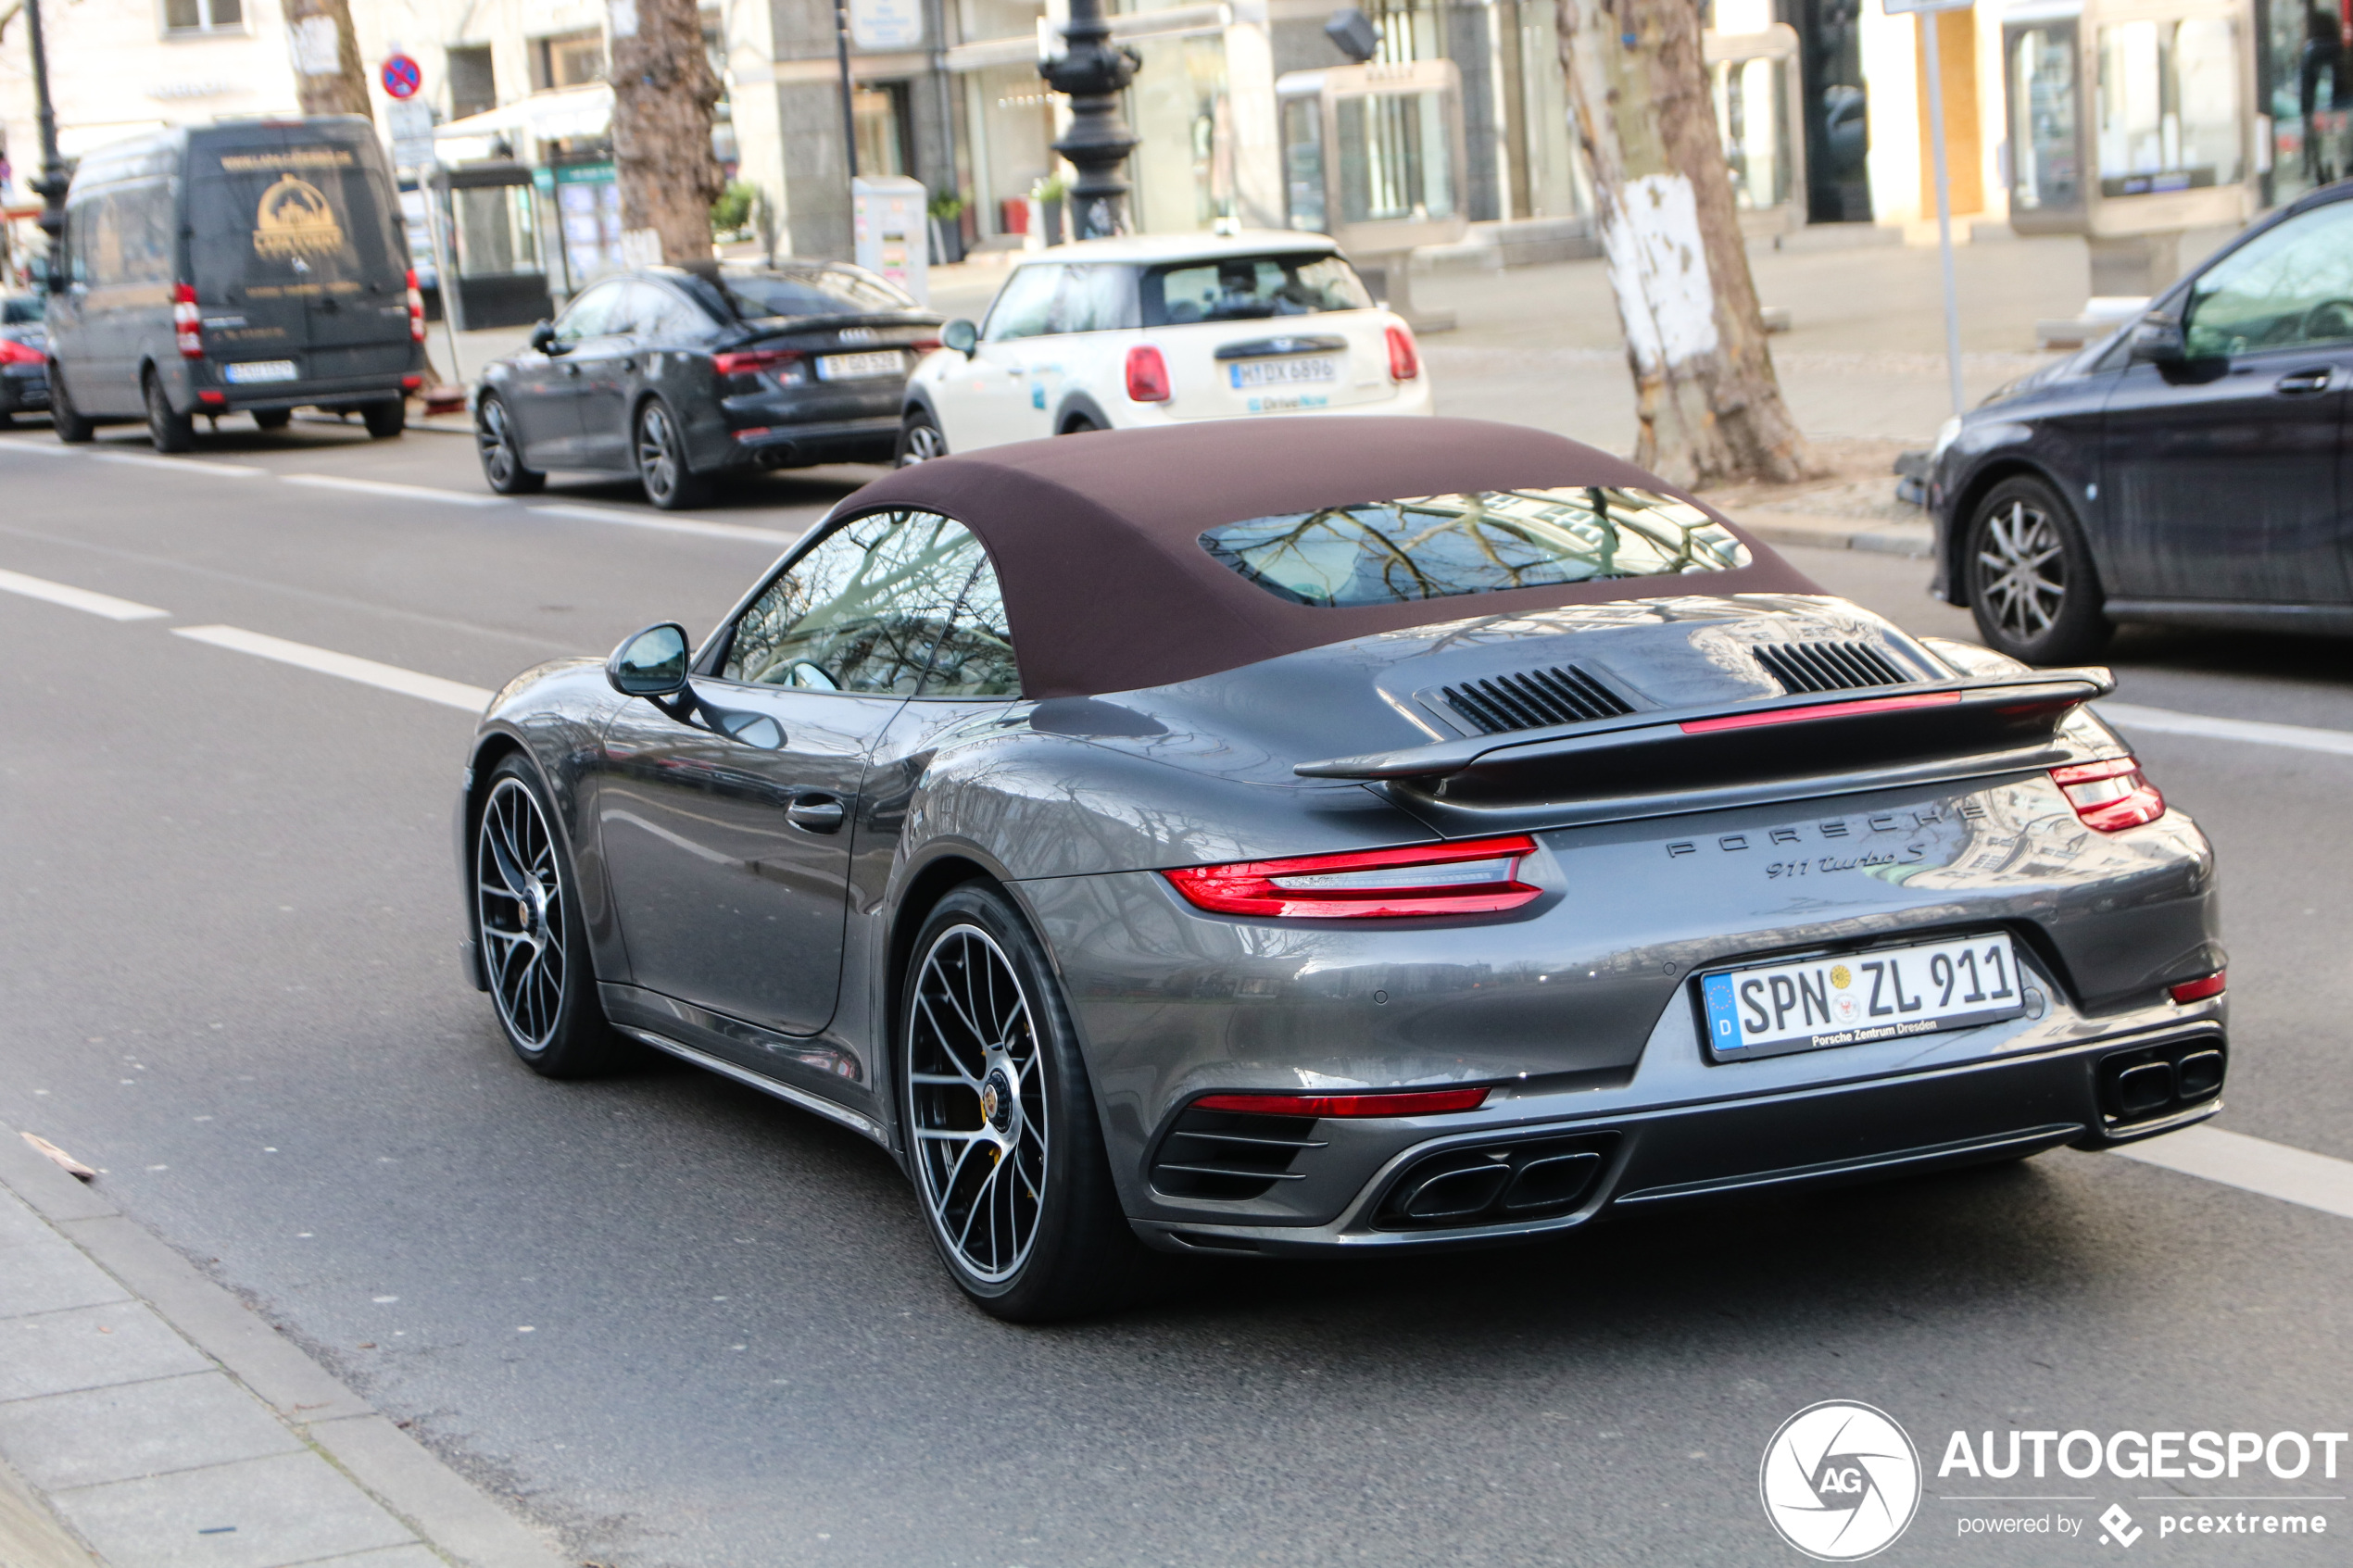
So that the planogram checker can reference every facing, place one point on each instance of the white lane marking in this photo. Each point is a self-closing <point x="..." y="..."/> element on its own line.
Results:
<point x="182" y="465"/>
<point x="326" y="661"/>
<point x="671" y="525"/>
<point x="79" y="598"/>
<point x="2165" y="721"/>
<point x="387" y="487"/>
<point x="39" y="448"/>
<point x="2292" y="1175"/>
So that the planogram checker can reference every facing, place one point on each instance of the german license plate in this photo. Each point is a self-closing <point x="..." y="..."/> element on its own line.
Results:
<point x="259" y="370"/>
<point x="857" y="367"/>
<point x="1853" y="998"/>
<point x="1283" y="372"/>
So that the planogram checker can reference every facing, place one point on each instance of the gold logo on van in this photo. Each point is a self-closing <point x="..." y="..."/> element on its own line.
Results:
<point x="294" y="221"/>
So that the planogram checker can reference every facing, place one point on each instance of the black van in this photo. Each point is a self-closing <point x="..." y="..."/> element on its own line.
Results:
<point x="253" y="267"/>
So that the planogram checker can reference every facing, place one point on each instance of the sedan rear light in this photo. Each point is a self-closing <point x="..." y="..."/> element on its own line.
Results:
<point x="1411" y="1102"/>
<point x="416" y="309"/>
<point x="15" y="352"/>
<point x="923" y="345"/>
<point x="1147" y="374"/>
<point x="1404" y="364"/>
<point x="2111" y="795"/>
<point x="1471" y="877"/>
<point x="752" y="362"/>
<point x="2199" y="990"/>
<point x="187" y="321"/>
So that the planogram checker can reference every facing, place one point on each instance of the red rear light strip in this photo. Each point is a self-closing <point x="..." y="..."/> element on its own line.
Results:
<point x="1250" y="888"/>
<point x="2199" y="990"/>
<point x="1818" y="710"/>
<point x="748" y="361"/>
<point x="1417" y="1102"/>
<point x="2111" y="795"/>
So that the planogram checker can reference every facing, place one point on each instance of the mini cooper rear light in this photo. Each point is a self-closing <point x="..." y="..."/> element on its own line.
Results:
<point x="2111" y="795"/>
<point x="2190" y="991"/>
<point x="1411" y="1102"/>
<point x="416" y="309"/>
<point x="15" y="352"/>
<point x="1147" y="374"/>
<point x="1404" y="364"/>
<point x="1470" y="877"/>
<point x="187" y="321"/>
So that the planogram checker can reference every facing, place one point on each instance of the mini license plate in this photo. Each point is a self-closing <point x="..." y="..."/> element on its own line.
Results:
<point x="858" y="367"/>
<point x="259" y="370"/>
<point x="1283" y="372"/>
<point x="1853" y="998"/>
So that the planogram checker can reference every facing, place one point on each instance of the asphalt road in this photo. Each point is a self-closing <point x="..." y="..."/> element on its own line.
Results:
<point x="691" y="1327"/>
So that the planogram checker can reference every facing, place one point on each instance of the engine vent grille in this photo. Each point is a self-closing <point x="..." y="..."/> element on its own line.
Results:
<point x="1534" y="698"/>
<point x="1229" y="1155"/>
<point x="1827" y="667"/>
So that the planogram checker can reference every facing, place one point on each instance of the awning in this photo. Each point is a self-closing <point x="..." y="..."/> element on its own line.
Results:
<point x="546" y="117"/>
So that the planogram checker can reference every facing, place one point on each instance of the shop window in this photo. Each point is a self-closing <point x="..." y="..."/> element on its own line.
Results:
<point x="2168" y="106"/>
<point x="2310" y="102"/>
<point x="473" y="88"/>
<point x="1394" y="158"/>
<point x="182" y="17"/>
<point x="881" y="115"/>
<point x="2045" y="172"/>
<point x="567" y="59"/>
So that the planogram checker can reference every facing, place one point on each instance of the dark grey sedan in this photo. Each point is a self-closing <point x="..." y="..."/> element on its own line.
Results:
<point x="677" y="377"/>
<point x="24" y="358"/>
<point x="1345" y="835"/>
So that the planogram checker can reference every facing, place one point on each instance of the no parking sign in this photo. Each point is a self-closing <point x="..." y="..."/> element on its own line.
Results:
<point x="400" y="76"/>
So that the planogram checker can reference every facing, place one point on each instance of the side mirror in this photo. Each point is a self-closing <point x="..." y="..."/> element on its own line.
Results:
<point x="2156" y="340"/>
<point x="543" y="337"/>
<point x="649" y="663"/>
<point x="962" y="336"/>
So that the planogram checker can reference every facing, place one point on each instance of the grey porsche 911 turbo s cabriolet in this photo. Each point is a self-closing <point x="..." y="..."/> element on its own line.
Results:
<point x="1314" y="836"/>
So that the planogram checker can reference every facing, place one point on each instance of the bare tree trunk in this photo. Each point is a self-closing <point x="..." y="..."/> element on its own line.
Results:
<point x="663" y="91"/>
<point x="326" y="53"/>
<point x="1710" y="408"/>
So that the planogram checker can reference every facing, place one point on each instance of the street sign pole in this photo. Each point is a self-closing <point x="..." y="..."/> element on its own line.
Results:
<point x="1924" y="19"/>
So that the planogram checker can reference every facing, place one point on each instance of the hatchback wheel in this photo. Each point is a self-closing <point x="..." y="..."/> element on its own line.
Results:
<point x="919" y="440"/>
<point x="661" y="461"/>
<point x="501" y="454"/>
<point x="169" y="431"/>
<point x="2032" y="585"/>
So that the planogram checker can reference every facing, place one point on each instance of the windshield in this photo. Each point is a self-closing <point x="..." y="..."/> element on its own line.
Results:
<point x="815" y="290"/>
<point x="1436" y="546"/>
<point x="1247" y="288"/>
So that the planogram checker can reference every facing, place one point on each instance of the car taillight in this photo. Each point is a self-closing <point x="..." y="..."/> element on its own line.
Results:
<point x="2199" y="990"/>
<point x="416" y="309"/>
<point x="2111" y="795"/>
<point x="923" y="346"/>
<point x="752" y="362"/>
<point x="1404" y="363"/>
<point x="1409" y="1102"/>
<point x="1472" y="877"/>
<point x="187" y="321"/>
<point x="1147" y="374"/>
<point x="15" y="352"/>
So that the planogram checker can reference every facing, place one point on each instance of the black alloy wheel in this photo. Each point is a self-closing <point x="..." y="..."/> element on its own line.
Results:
<point x="72" y="428"/>
<point x="385" y="419"/>
<point x="1002" y="1137"/>
<point x="501" y="455"/>
<point x="534" y="943"/>
<point x="661" y="460"/>
<point x="2032" y="586"/>
<point x="169" y="431"/>
<point x="919" y="440"/>
<point x="272" y="418"/>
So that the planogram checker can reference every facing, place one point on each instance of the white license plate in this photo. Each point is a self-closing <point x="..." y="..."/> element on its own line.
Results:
<point x="1852" y="998"/>
<point x="857" y="367"/>
<point x="1283" y="372"/>
<point x="259" y="370"/>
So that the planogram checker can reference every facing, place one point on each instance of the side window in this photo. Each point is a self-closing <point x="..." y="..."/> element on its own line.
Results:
<point x="2291" y="287"/>
<point x="1025" y="302"/>
<point x="864" y="609"/>
<point x="106" y="242"/>
<point x="586" y="317"/>
<point x="1093" y="300"/>
<point x="975" y="653"/>
<point x="666" y="317"/>
<point x="147" y="234"/>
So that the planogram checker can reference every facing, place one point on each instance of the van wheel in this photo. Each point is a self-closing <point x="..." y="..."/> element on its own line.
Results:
<point x="169" y="431"/>
<point x="72" y="428"/>
<point x="273" y="418"/>
<point x="385" y="419"/>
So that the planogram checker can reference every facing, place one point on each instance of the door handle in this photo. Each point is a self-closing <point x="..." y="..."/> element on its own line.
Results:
<point x="2302" y="383"/>
<point x="816" y="813"/>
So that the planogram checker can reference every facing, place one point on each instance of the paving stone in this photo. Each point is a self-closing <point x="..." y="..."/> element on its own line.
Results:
<point x="260" y="1513"/>
<point x="50" y="1274"/>
<point x="19" y="1223"/>
<point x="99" y="1434"/>
<point x="90" y="1347"/>
<point x="391" y="1557"/>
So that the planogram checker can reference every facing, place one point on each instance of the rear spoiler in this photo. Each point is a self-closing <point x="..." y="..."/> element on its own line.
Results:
<point x="1968" y="714"/>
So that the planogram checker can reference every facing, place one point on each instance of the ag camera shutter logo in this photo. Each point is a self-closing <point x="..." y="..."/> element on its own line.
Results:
<point x="1840" y="1481"/>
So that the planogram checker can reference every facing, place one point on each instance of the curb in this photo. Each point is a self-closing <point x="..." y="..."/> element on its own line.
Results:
<point x="30" y="1535"/>
<point x="447" y="1513"/>
<point x="1913" y="539"/>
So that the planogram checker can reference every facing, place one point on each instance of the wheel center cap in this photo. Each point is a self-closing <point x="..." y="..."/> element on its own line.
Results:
<point x="997" y="1100"/>
<point x="534" y="908"/>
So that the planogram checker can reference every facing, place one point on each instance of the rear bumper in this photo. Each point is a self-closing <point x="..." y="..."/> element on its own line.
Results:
<point x="873" y="439"/>
<point x="28" y="391"/>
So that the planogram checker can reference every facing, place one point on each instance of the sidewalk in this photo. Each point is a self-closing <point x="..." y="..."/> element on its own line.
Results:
<point x="148" y="1419"/>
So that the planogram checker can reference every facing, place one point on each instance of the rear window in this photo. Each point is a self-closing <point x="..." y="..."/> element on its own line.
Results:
<point x="1438" y="547"/>
<point x="813" y="291"/>
<point x="18" y="311"/>
<point x="1249" y="288"/>
<point x="291" y="221"/>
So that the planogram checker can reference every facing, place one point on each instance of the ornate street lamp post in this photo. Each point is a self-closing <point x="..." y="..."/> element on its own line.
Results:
<point x="1094" y="71"/>
<point x="51" y="186"/>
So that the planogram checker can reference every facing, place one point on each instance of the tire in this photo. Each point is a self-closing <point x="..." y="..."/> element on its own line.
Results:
<point x="671" y="483"/>
<point x="7" y="419"/>
<point x="495" y="442"/>
<point x="919" y="440"/>
<point x="171" y="432"/>
<point x="385" y="419"/>
<point x="72" y="428"/>
<point x="272" y="418"/>
<point x="534" y="943"/>
<point x="2032" y="581"/>
<point x="1056" y="1243"/>
<point x="1079" y="425"/>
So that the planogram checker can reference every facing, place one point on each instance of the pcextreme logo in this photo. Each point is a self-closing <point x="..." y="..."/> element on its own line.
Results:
<point x="1841" y="1481"/>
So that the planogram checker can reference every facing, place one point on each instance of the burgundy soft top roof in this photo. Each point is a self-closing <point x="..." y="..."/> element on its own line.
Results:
<point x="1096" y="538"/>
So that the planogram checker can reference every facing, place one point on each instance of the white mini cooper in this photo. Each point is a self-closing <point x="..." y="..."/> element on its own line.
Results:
<point x="1148" y="329"/>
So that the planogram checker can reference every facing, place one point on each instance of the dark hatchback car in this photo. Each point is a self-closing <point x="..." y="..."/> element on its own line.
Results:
<point x="677" y="376"/>
<point x="2193" y="469"/>
<point x="24" y="358"/>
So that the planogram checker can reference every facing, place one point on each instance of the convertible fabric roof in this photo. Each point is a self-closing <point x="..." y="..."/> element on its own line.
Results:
<point x="1096" y="537"/>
